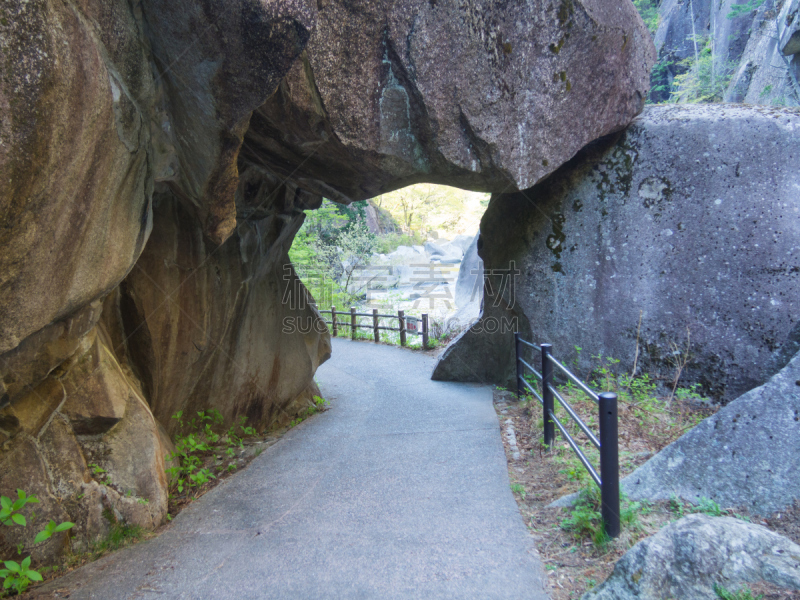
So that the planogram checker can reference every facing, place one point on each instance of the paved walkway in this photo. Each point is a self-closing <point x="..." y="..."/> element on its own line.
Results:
<point x="399" y="491"/>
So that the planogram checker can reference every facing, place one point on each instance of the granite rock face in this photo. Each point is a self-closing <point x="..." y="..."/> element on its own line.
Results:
<point x="687" y="558"/>
<point x="208" y="129"/>
<point x="228" y="327"/>
<point x="744" y="455"/>
<point x="689" y="220"/>
<point x="753" y="57"/>
<point x="392" y="93"/>
<point x="74" y="164"/>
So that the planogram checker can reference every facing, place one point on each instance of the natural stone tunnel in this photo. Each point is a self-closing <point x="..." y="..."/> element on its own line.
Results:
<point x="675" y="238"/>
<point x="155" y="160"/>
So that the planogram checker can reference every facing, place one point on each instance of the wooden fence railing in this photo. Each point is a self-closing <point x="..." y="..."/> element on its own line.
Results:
<point x="408" y="324"/>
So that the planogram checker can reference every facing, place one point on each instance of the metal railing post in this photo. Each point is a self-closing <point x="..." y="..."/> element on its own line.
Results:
<point x="548" y="404"/>
<point x="402" y="316"/>
<point x="375" y="325"/>
<point x="352" y="322"/>
<point x="609" y="463"/>
<point x="518" y="351"/>
<point x="424" y="331"/>
<point x="334" y="328"/>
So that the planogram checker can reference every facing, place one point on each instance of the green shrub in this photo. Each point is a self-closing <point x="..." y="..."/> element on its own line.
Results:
<point x="17" y="576"/>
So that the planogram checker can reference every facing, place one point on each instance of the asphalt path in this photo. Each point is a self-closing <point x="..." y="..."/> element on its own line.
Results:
<point x="400" y="490"/>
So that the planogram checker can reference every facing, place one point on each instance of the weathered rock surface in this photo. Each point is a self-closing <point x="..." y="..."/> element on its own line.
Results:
<point x="73" y="419"/>
<point x="229" y="327"/>
<point x="744" y="455"/>
<point x="110" y="107"/>
<point x="685" y="559"/>
<point x="768" y="70"/>
<point x="789" y="28"/>
<point x="392" y="93"/>
<point x="688" y="219"/>
<point x="75" y="96"/>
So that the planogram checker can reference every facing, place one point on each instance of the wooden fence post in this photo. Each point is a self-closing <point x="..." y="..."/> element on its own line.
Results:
<point x="375" y="325"/>
<point x="402" y="316"/>
<point x="333" y="321"/>
<point x="424" y="331"/>
<point x="352" y="322"/>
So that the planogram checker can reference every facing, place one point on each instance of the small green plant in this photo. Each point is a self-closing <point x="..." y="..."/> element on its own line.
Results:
<point x="744" y="9"/>
<point x="518" y="489"/>
<point x="585" y="520"/>
<point x="743" y="593"/>
<point x="709" y="507"/>
<point x="119" y="536"/>
<point x="17" y="576"/>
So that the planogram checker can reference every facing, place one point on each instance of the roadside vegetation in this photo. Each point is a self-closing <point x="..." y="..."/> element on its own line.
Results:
<point x="572" y="542"/>
<point x="205" y="454"/>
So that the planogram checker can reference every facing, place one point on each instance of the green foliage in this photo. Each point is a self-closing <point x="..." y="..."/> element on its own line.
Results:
<point x="331" y="246"/>
<point x="50" y="529"/>
<point x="387" y="244"/>
<point x="744" y="9"/>
<point x="648" y="9"/>
<point x="704" y="80"/>
<point x="9" y="510"/>
<point x="319" y="404"/>
<point x="518" y="489"/>
<point x="17" y="576"/>
<point x="743" y="593"/>
<point x="119" y="536"/>
<point x="586" y="521"/>
<point x="188" y="470"/>
<point x="709" y="507"/>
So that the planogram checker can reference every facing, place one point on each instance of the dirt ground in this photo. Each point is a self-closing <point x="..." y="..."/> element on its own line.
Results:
<point x="574" y="565"/>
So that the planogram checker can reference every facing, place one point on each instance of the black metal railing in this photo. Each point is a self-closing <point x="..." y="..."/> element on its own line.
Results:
<point x="608" y="445"/>
<point x="408" y="324"/>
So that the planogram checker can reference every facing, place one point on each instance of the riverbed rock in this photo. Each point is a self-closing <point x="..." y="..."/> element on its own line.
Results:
<point x="469" y="286"/>
<point x="687" y="221"/>
<point x="686" y="559"/>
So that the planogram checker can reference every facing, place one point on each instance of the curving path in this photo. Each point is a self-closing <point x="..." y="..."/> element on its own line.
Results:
<point x="399" y="491"/>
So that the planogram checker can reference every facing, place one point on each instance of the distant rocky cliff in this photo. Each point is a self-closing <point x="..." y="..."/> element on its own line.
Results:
<point x="742" y="50"/>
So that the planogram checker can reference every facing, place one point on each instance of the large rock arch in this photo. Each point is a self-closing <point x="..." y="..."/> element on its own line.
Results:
<point x="155" y="161"/>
